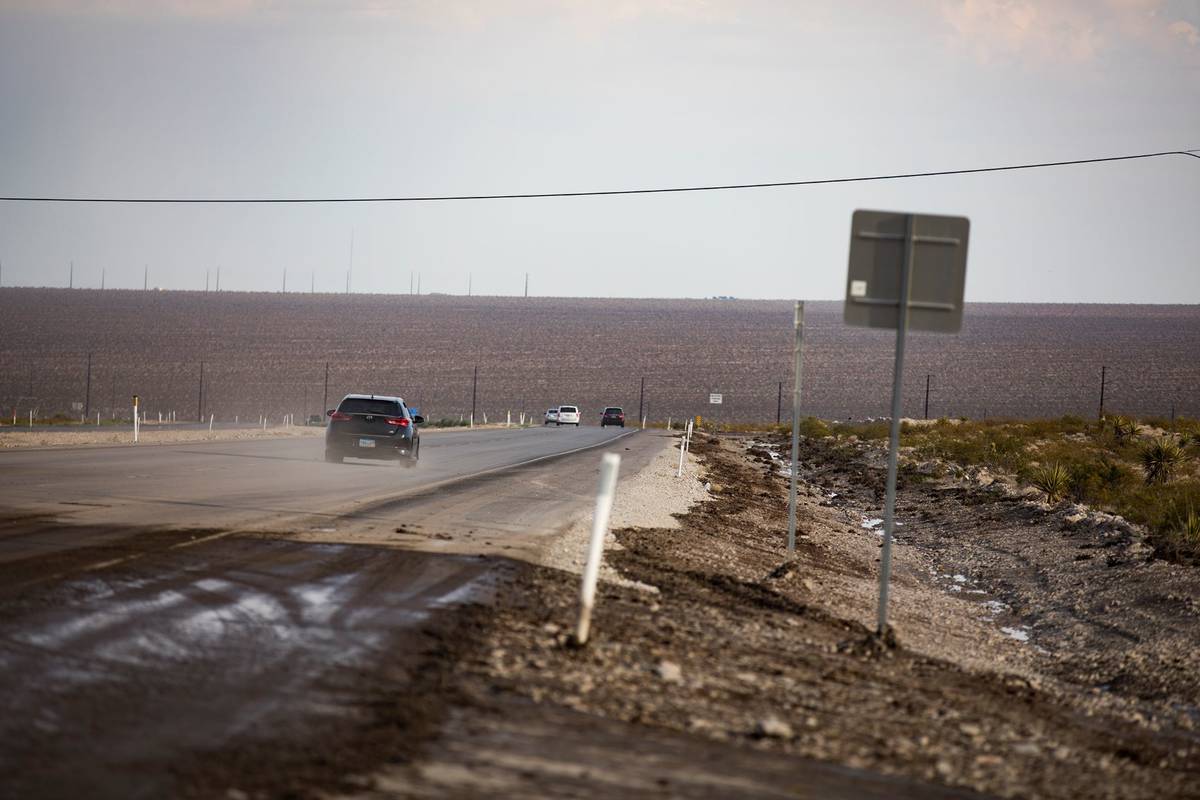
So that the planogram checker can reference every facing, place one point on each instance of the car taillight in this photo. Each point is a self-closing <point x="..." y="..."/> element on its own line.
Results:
<point x="338" y="416"/>
<point x="399" y="422"/>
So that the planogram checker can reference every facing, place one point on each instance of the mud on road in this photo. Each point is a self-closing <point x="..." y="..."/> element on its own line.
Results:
<point x="280" y="668"/>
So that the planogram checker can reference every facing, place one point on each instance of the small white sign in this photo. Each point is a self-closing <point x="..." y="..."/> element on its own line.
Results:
<point x="715" y="399"/>
<point x="77" y="406"/>
<point x="858" y="288"/>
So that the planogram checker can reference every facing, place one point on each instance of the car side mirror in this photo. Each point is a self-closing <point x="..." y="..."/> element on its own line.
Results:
<point x="329" y="413"/>
<point x="418" y="419"/>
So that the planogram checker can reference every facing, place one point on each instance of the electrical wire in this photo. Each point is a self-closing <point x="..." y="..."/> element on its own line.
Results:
<point x="599" y="193"/>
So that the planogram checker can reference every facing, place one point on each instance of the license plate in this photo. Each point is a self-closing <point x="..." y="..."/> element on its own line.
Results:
<point x="366" y="442"/>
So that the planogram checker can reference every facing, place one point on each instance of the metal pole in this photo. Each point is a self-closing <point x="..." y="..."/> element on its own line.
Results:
<point x="797" y="360"/>
<point x="889" y="509"/>
<point x="71" y="278"/>
<point x="200" y="399"/>
<point x="779" y="405"/>
<point x="1103" y="374"/>
<point x="474" y="387"/>
<point x="325" y="397"/>
<point x="927" y="397"/>
<point x="87" y="398"/>
<point x="642" y="399"/>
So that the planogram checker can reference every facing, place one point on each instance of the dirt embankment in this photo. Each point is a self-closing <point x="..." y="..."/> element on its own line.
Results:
<point x="1005" y="680"/>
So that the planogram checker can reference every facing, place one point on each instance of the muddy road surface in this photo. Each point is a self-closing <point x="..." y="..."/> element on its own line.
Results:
<point x="187" y="620"/>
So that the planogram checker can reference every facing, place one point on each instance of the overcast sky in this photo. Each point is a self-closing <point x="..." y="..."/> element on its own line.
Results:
<point x="248" y="98"/>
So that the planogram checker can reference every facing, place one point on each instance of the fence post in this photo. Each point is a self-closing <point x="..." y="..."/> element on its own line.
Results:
<point x="591" y="570"/>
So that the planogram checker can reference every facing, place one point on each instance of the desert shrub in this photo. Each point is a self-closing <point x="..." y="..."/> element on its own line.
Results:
<point x="1179" y="535"/>
<point x="863" y="430"/>
<point x="1124" y="427"/>
<point x="1160" y="460"/>
<point x="1097" y="480"/>
<point x="814" y="428"/>
<point x="1054" y="479"/>
<point x="1051" y="427"/>
<point x="448" y="422"/>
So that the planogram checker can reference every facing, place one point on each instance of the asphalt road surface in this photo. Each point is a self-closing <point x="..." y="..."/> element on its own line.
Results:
<point x="159" y="602"/>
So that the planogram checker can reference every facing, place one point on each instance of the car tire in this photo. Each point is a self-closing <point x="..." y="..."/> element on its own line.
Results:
<point x="557" y="424"/>
<point x="576" y="424"/>
<point x="332" y="458"/>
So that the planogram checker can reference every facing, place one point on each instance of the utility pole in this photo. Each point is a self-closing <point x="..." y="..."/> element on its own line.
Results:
<point x="468" y="284"/>
<point x="641" y="400"/>
<point x="325" y="397"/>
<point x="779" y="405"/>
<point x="200" y="399"/>
<point x="527" y="285"/>
<point x="285" y="280"/>
<point x="350" y="269"/>
<point x="146" y="278"/>
<point x="927" y="397"/>
<point x="474" y="388"/>
<point x="87" y="397"/>
<point x="71" y="277"/>
<point x="103" y="273"/>
<point x="206" y="276"/>
<point x="1103" y="374"/>
<point x="218" y="279"/>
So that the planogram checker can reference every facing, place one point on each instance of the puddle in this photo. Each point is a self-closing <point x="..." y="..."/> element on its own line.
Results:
<point x="1021" y="634"/>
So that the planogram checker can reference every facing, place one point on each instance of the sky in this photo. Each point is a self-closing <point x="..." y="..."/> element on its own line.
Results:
<point x="252" y="98"/>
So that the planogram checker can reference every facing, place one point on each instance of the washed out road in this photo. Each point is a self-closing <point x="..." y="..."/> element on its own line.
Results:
<point x="161" y="604"/>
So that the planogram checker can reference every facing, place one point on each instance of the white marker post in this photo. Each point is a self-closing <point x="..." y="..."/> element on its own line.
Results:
<point x="797" y="356"/>
<point x="136" y="425"/>
<point x="508" y="420"/>
<point x="210" y="422"/>
<point x="682" y="444"/>
<point x="591" y="570"/>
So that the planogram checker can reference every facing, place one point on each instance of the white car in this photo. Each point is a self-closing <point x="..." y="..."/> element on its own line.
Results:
<point x="551" y="416"/>
<point x="567" y="415"/>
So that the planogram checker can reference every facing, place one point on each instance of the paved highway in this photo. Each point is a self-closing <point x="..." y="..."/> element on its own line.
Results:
<point x="162" y="604"/>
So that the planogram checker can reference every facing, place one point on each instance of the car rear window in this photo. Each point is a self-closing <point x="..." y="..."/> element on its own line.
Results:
<point x="612" y="410"/>
<point x="569" y="410"/>
<point x="361" y="405"/>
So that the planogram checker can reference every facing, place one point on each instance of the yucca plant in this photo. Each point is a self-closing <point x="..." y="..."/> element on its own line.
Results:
<point x="1053" y="479"/>
<point x="1160" y="459"/>
<point x="1124" y="427"/>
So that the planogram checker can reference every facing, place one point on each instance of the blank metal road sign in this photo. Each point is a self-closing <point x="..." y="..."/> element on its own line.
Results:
<point x="933" y="251"/>
<point x="715" y="399"/>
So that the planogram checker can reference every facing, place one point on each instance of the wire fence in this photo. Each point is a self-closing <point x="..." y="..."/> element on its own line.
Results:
<point x="82" y="386"/>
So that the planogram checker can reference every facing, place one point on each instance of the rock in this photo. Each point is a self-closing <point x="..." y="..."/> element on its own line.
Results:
<point x="970" y="729"/>
<point x="236" y="794"/>
<point x="1027" y="749"/>
<point x="772" y="727"/>
<point x="669" y="672"/>
<point x="808" y="584"/>
<point x="550" y="628"/>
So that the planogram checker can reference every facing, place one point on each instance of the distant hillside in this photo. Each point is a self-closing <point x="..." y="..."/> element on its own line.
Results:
<point x="266" y="353"/>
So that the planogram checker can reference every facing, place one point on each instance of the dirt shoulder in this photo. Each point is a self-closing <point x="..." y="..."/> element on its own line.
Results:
<point x="149" y="434"/>
<point x="736" y="652"/>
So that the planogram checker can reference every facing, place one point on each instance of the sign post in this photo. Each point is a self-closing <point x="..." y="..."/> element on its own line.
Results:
<point x="906" y="271"/>
<point x="797" y="357"/>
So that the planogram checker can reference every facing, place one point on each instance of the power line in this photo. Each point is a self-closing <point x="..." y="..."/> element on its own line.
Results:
<point x="599" y="193"/>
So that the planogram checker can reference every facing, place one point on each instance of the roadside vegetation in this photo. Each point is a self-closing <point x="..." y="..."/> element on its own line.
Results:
<point x="1145" y="470"/>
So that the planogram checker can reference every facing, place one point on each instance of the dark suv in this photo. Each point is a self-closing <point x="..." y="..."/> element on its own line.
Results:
<point x="613" y="415"/>
<point x="373" y="426"/>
